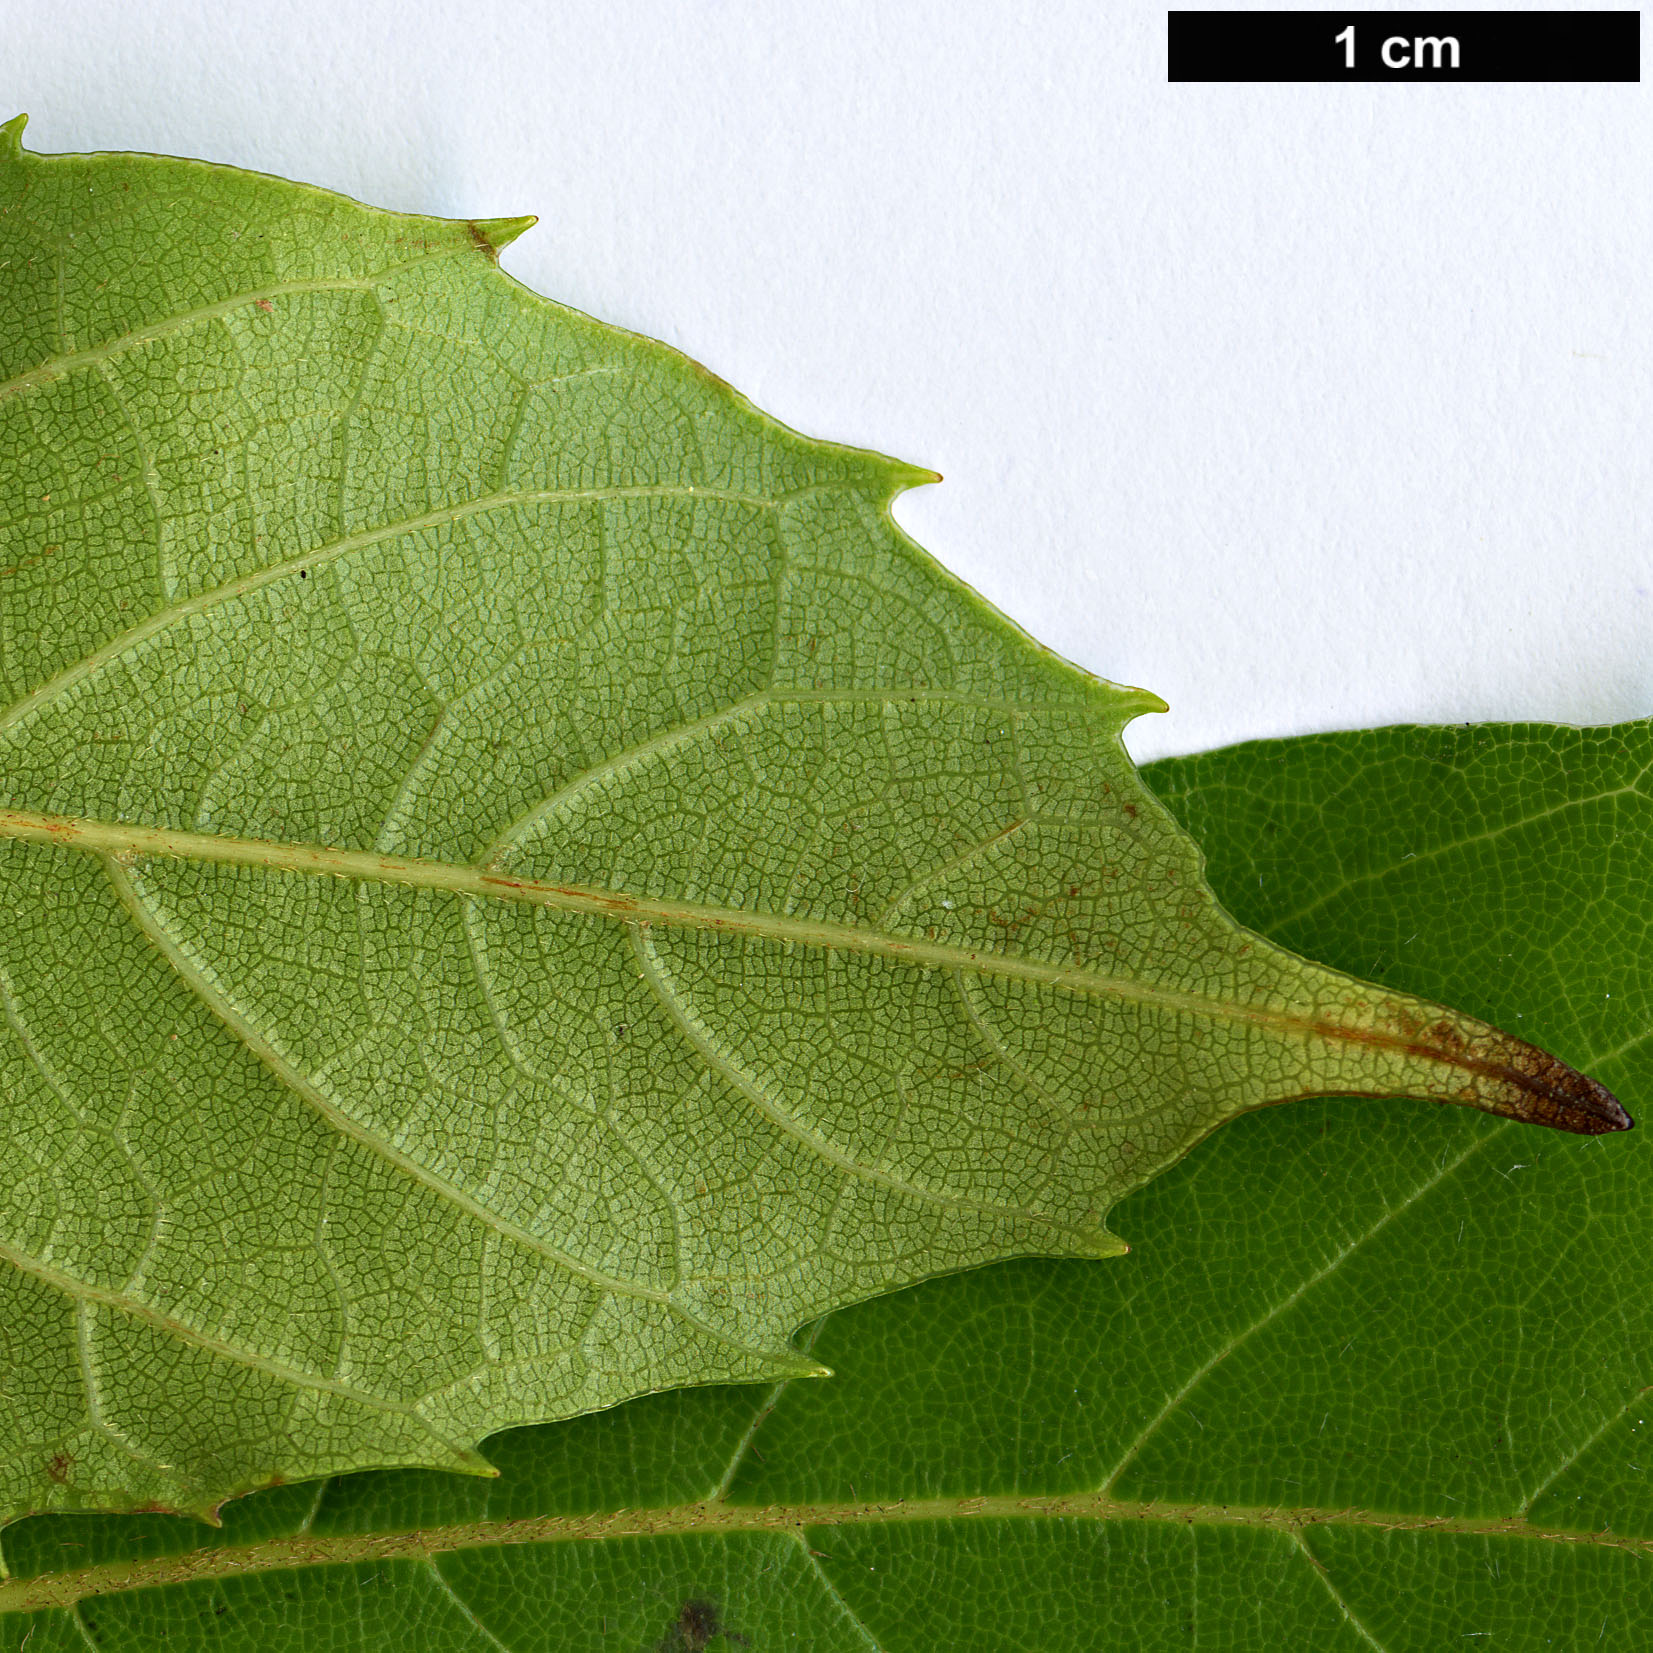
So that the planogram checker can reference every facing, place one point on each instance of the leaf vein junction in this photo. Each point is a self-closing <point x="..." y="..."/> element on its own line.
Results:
<point x="665" y="990"/>
<point x="1436" y="851"/>
<point x="1275" y="1310"/>
<point x="86" y="1294"/>
<point x="1349" y="1615"/>
<point x="227" y="1012"/>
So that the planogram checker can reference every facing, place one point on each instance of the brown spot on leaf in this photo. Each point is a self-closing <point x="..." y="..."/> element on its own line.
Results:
<point x="31" y="562"/>
<point x="698" y="1624"/>
<point x="58" y="1467"/>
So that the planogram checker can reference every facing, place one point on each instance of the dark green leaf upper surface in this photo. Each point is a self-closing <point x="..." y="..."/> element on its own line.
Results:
<point x="1371" y="1378"/>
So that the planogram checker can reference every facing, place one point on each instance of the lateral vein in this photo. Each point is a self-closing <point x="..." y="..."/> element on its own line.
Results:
<point x="85" y="1294"/>
<point x="320" y="555"/>
<point x="55" y="367"/>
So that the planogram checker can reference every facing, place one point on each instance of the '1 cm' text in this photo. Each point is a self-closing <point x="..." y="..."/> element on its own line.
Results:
<point x="1398" y="52"/>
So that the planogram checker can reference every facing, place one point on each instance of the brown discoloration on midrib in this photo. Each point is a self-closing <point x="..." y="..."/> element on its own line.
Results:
<point x="1545" y="1091"/>
<point x="1533" y="1086"/>
<point x="1529" y="1085"/>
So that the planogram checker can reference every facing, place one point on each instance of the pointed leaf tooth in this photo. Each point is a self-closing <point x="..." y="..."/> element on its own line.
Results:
<point x="496" y="234"/>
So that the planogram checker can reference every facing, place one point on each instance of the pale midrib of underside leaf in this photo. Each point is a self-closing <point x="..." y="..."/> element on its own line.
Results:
<point x="123" y="840"/>
<point x="124" y="843"/>
<point x="119" y="845"/>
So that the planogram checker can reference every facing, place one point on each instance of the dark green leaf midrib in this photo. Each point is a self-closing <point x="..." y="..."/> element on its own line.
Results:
<point x="714" y="1516"/>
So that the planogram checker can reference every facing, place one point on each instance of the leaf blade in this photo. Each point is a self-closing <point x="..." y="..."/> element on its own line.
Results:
<point x="352" y="589"/>
<point x="1025" y="1384"/>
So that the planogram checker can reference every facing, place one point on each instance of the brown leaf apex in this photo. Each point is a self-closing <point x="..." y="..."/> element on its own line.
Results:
<point x="1535" y="1087"/>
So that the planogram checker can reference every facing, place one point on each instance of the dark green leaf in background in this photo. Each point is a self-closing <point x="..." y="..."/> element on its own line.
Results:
<point x="1371" y="1378"/>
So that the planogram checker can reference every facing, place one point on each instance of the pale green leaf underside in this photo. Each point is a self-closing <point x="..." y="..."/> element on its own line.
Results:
<point x="524" y="887"/>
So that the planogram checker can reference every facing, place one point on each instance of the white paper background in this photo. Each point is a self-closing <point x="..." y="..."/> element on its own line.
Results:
<point x="1305" y="406"/>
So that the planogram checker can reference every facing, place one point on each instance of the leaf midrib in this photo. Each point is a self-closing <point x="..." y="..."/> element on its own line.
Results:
<point x="716" y="1516"/>
<point x="128" y="842"/>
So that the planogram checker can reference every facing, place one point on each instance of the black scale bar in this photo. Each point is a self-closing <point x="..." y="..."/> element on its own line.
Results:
<point x="1404" y="45"/>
